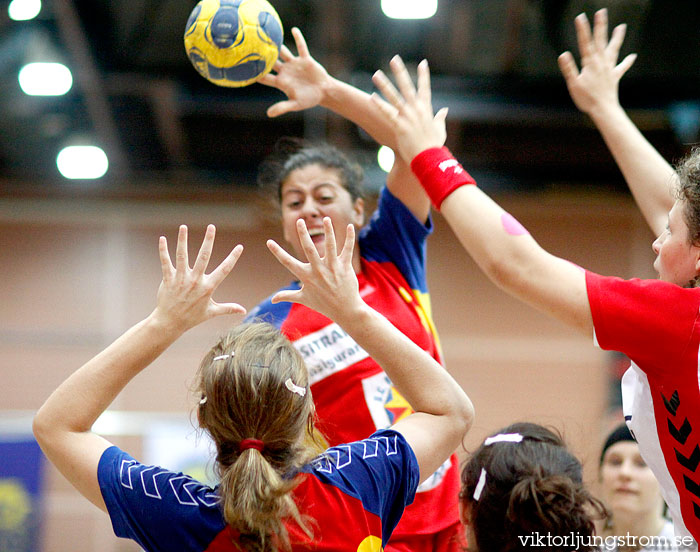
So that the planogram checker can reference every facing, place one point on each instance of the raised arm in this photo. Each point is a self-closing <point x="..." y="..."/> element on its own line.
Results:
<point x="594" y="90"/>
<point x="62" y="426"/>
<point x="501" y="247"/>
<point x="307" y="84"/>
<point x="443" y="412"/>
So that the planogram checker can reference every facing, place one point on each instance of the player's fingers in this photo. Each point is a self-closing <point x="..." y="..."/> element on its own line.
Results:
<point x="441" y="115"/>
<point x="182" y="262"/>
<point x="285" y="259"/>
<point x="349" y="245"/>
<point x="388" y="90"/>
<point x="280" y="108"/>
<point x="219" y="274"/>
<point x="424" y="92"/>
<point x="219" y="309"/>
<point x="329" y="240"/>
<point x="269" y="79"/>
<point x="299" y="40"/>
<point x="285" y="53"/>
<point x="286" y="296"/>
<point x="166" y="264"/>
<point x="625" y="64"/>
<point x="387" y="110"/>
<point x="583" y="36"/>
<point x="567" y="66"/>
<point x="403" y="79"/>
<point x="618" y="36"/>
<point x="202" y="260"/>
<point x="600" y="29"/>
<point x="307" y="244"/>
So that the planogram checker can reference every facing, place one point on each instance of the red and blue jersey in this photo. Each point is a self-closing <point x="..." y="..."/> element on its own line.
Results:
<point x="353" y="395"/>
<point x="354" y="494"/>
<point x="657" y="325"/>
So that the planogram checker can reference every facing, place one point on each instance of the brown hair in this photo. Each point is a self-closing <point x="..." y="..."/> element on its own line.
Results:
<point x="291" y="154"/>
<point x="531" y="486"/>
<point x="244" y="396"/>
<point x="688" y="191"/>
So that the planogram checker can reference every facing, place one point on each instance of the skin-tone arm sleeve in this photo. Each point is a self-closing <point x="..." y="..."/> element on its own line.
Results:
<point x="62" y="426"/>
<point x="594" y="90"/>
<point x="443" y="412"/>
<point x="501" y="247"/>
<point x="306" y="83"/>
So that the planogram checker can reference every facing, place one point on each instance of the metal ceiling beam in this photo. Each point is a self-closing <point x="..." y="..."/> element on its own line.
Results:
<point x="90" y="82"/>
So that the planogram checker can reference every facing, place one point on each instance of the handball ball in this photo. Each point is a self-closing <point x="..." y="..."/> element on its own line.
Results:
<point x="233" y="42"/>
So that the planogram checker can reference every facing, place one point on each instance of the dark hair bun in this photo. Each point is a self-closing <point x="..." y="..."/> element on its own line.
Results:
<point x="533" y="486"/>
<point x="554" y="503"/>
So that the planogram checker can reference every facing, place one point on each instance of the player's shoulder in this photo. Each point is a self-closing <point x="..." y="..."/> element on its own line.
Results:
<point x="382" y="443"/>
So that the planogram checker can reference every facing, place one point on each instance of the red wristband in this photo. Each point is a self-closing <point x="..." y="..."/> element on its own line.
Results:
<point x="440" y="174"/>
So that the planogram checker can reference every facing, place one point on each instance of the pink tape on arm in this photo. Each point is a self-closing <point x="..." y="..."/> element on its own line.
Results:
<point x="512" y="226"/>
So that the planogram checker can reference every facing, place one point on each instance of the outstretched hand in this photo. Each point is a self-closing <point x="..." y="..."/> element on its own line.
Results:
<point x="300" y="77"/>
<point x="184" y="296"/>
<point x="329" y="283"/>
<point x="410" y="110"/>
<point x="597" y="82"/>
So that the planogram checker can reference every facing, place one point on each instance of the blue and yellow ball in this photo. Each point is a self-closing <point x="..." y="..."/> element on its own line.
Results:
<point x="233" y="42"/>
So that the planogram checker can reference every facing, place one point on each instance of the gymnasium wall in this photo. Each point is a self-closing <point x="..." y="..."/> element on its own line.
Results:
<point x="76" y="274"/>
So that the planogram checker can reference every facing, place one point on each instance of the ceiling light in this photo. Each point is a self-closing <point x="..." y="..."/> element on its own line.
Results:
<point x="409" y="9"/>
<point x="23" y="10"/>
<point x="385" y="158"/>
<point x="82" y="162"/>
<point x="45" y="79"/>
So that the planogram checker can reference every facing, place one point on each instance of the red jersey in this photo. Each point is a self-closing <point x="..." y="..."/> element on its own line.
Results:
<point x="657" y="325"/>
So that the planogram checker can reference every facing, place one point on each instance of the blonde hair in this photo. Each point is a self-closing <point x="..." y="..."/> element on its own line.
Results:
<point x="245" y="394"/>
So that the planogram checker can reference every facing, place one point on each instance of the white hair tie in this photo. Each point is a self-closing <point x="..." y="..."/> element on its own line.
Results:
<point x="500" y="438"/>
<point x="503" y="438"/>
<point x="480" y="485"/>
<point x="294" y="388"/>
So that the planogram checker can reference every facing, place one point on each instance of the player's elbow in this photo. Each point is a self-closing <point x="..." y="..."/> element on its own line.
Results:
<point x="41" y="428"/>
<point x="501" y="271"/>
<point x="463" y="415"/>
<point x="512" y="272"/>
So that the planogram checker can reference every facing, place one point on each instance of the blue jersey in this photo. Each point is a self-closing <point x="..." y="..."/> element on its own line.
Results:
<point x="355" y="494"/>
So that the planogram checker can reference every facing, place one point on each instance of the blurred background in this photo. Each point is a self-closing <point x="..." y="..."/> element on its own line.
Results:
<point x="165" y="129"/>
<point x="79" y="255"/>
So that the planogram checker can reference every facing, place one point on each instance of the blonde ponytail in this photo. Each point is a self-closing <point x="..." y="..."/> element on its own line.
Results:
<point x="253" y="389"/>
<point x="255" y="499"/>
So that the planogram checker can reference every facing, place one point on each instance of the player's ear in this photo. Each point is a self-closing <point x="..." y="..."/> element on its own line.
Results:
<point x="464" y="513"/>
<point x="358" y="212"/>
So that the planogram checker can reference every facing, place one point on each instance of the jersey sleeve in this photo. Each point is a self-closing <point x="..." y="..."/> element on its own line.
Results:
<point x="395" y="235"/>
<point x="159" y="509"/>
<point x="650" y="321"/>
<point x="380" y="471"/>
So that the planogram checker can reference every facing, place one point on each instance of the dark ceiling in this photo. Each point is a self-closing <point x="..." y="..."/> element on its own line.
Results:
<point x="167" y="130"/>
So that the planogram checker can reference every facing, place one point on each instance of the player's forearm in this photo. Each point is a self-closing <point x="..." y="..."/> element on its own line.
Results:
<point x="420" y="379"/>
<point x="496" y="241"/>
<point x="78" y="402"/>
<point x="649" y="176"/>
<point x="356" y="106"/>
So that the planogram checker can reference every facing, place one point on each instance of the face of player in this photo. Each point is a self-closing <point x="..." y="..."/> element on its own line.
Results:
<point x="677" y="260"/>
<point x="629" y="487"/>
<point x="312" y="193"/>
